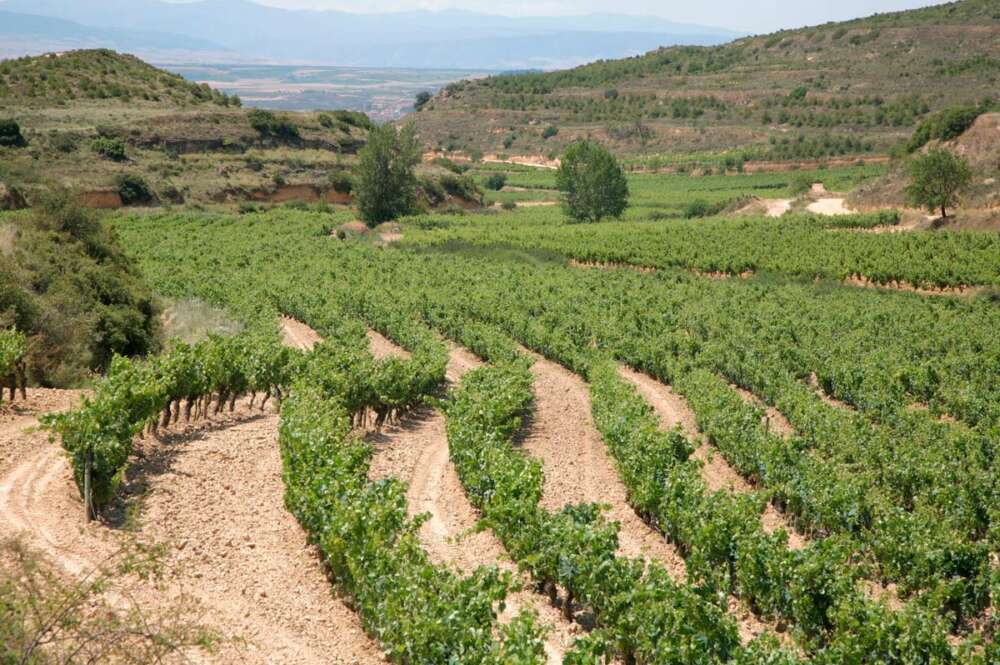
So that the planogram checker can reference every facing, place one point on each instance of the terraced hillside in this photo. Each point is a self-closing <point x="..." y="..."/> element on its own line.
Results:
<point x="91" y="118"/>
<point x="853" y="89"/>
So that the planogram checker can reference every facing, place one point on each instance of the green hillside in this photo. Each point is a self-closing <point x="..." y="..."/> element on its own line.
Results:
<point x="837" y="90"/>
<point x="96" y="120"/>
<point x="99" y="75"/>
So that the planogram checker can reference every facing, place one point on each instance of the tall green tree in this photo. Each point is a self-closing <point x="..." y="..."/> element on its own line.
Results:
<point x="937" y="178"/>
<point x="386" y="185"/>
<point x="592" y="182"/>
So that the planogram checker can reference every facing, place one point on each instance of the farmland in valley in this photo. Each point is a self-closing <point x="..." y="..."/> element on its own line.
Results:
<point x="384" y="94"/>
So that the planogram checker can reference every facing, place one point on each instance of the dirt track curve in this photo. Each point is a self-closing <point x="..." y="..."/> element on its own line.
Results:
<point x="212" y="491"/>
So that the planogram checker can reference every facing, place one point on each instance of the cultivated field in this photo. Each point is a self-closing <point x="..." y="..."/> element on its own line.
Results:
<point x="320" y="390"/>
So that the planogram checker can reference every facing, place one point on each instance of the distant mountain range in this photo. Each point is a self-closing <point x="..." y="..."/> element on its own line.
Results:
<point x="243" y="31"/>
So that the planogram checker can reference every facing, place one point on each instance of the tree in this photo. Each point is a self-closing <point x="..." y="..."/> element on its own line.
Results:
<point x="422" y="98"/>
<point x="495" y="181"/>
<point x="593" y="183"/>
<point x="10" y="134"/>
<point x="937" y="178"/>
<point x="386" y="185"/>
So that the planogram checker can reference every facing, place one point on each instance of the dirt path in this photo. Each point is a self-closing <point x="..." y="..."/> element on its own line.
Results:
<point x="536" y="204"/>
<point x="217" y="496"/>
<point x="415" y="450"/>
<point x="298" y="335"/>
<point x="212" y="492"/>
<point x="578" y="469"/>
<point x="777" y="207"/>
<point x="537" y="161"/>
<point x="829" y="206"/>
<point x="719" y="476"/>
<point x="29" y="466"/>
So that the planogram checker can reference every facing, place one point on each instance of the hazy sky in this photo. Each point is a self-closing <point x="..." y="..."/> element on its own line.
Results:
<point x="748" y="15"/>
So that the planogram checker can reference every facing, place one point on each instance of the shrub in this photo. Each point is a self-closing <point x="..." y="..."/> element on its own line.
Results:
<point x="800" y="184"/>
<point x="448" y="164"/>
<point x="936" y="180"/>
<point x="495" y="181"/>
<point x="63" y="142"/>
<point x="593" y="183"/>
<point x="354" y="119"/>
<point x="943" y="126"/>
<point x="10" y="134"/>
<point x="254" y="164"/>
<point x="699" y="208"/>
<point x="113" y="149"/>
<point x="386" y="185"/>
<point x="268" y="124"/>
<point x="508" y="205"/>
<point x="432" y="191"/>
<point x="171" y="193"/>
<point x="421" y="100"/>
<point x="133" y="189"/>
<point x="341" y="182"/>
<point x="47" y="617"/>
<point x="461" y="187"/>
<point x="549" y="132"/>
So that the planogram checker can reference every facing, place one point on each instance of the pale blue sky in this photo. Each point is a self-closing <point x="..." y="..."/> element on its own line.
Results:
<point x="748" y="15"/>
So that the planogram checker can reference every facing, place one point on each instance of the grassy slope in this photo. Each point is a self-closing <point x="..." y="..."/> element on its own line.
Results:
<point x="865" y="83"/>
<point x="188" y="141"/>
<point x="62" y="79"/>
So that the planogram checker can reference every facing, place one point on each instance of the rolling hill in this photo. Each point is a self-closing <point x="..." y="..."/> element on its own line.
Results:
<point x="97" y="120"/>
<point x="840" y="90"/>
<point x="99" y="74"/>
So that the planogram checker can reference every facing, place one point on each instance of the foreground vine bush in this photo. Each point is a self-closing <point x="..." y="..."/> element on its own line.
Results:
<point x="137" y="394"/>
<point x="902" y="496"/>
<point x="815" y="589"/>
<point x="13" y="373"/>
<point x="420" y="613"/>
<point x="642" y="615"/>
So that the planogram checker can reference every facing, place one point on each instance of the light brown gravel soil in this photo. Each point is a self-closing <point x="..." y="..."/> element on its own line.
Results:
<point x="578" y="469"/>
<point x="415" y="450"/>
<point x="674" y="410"/>
<point x="298" y="335"/>
<point x="210" y="491"/>
<point x="30" y="467"/>
<point x="864" y="282"/>
<point x="216" y="494"/>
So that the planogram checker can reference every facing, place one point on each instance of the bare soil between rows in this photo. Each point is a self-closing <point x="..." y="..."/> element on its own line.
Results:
<point x="415" y="450"/>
